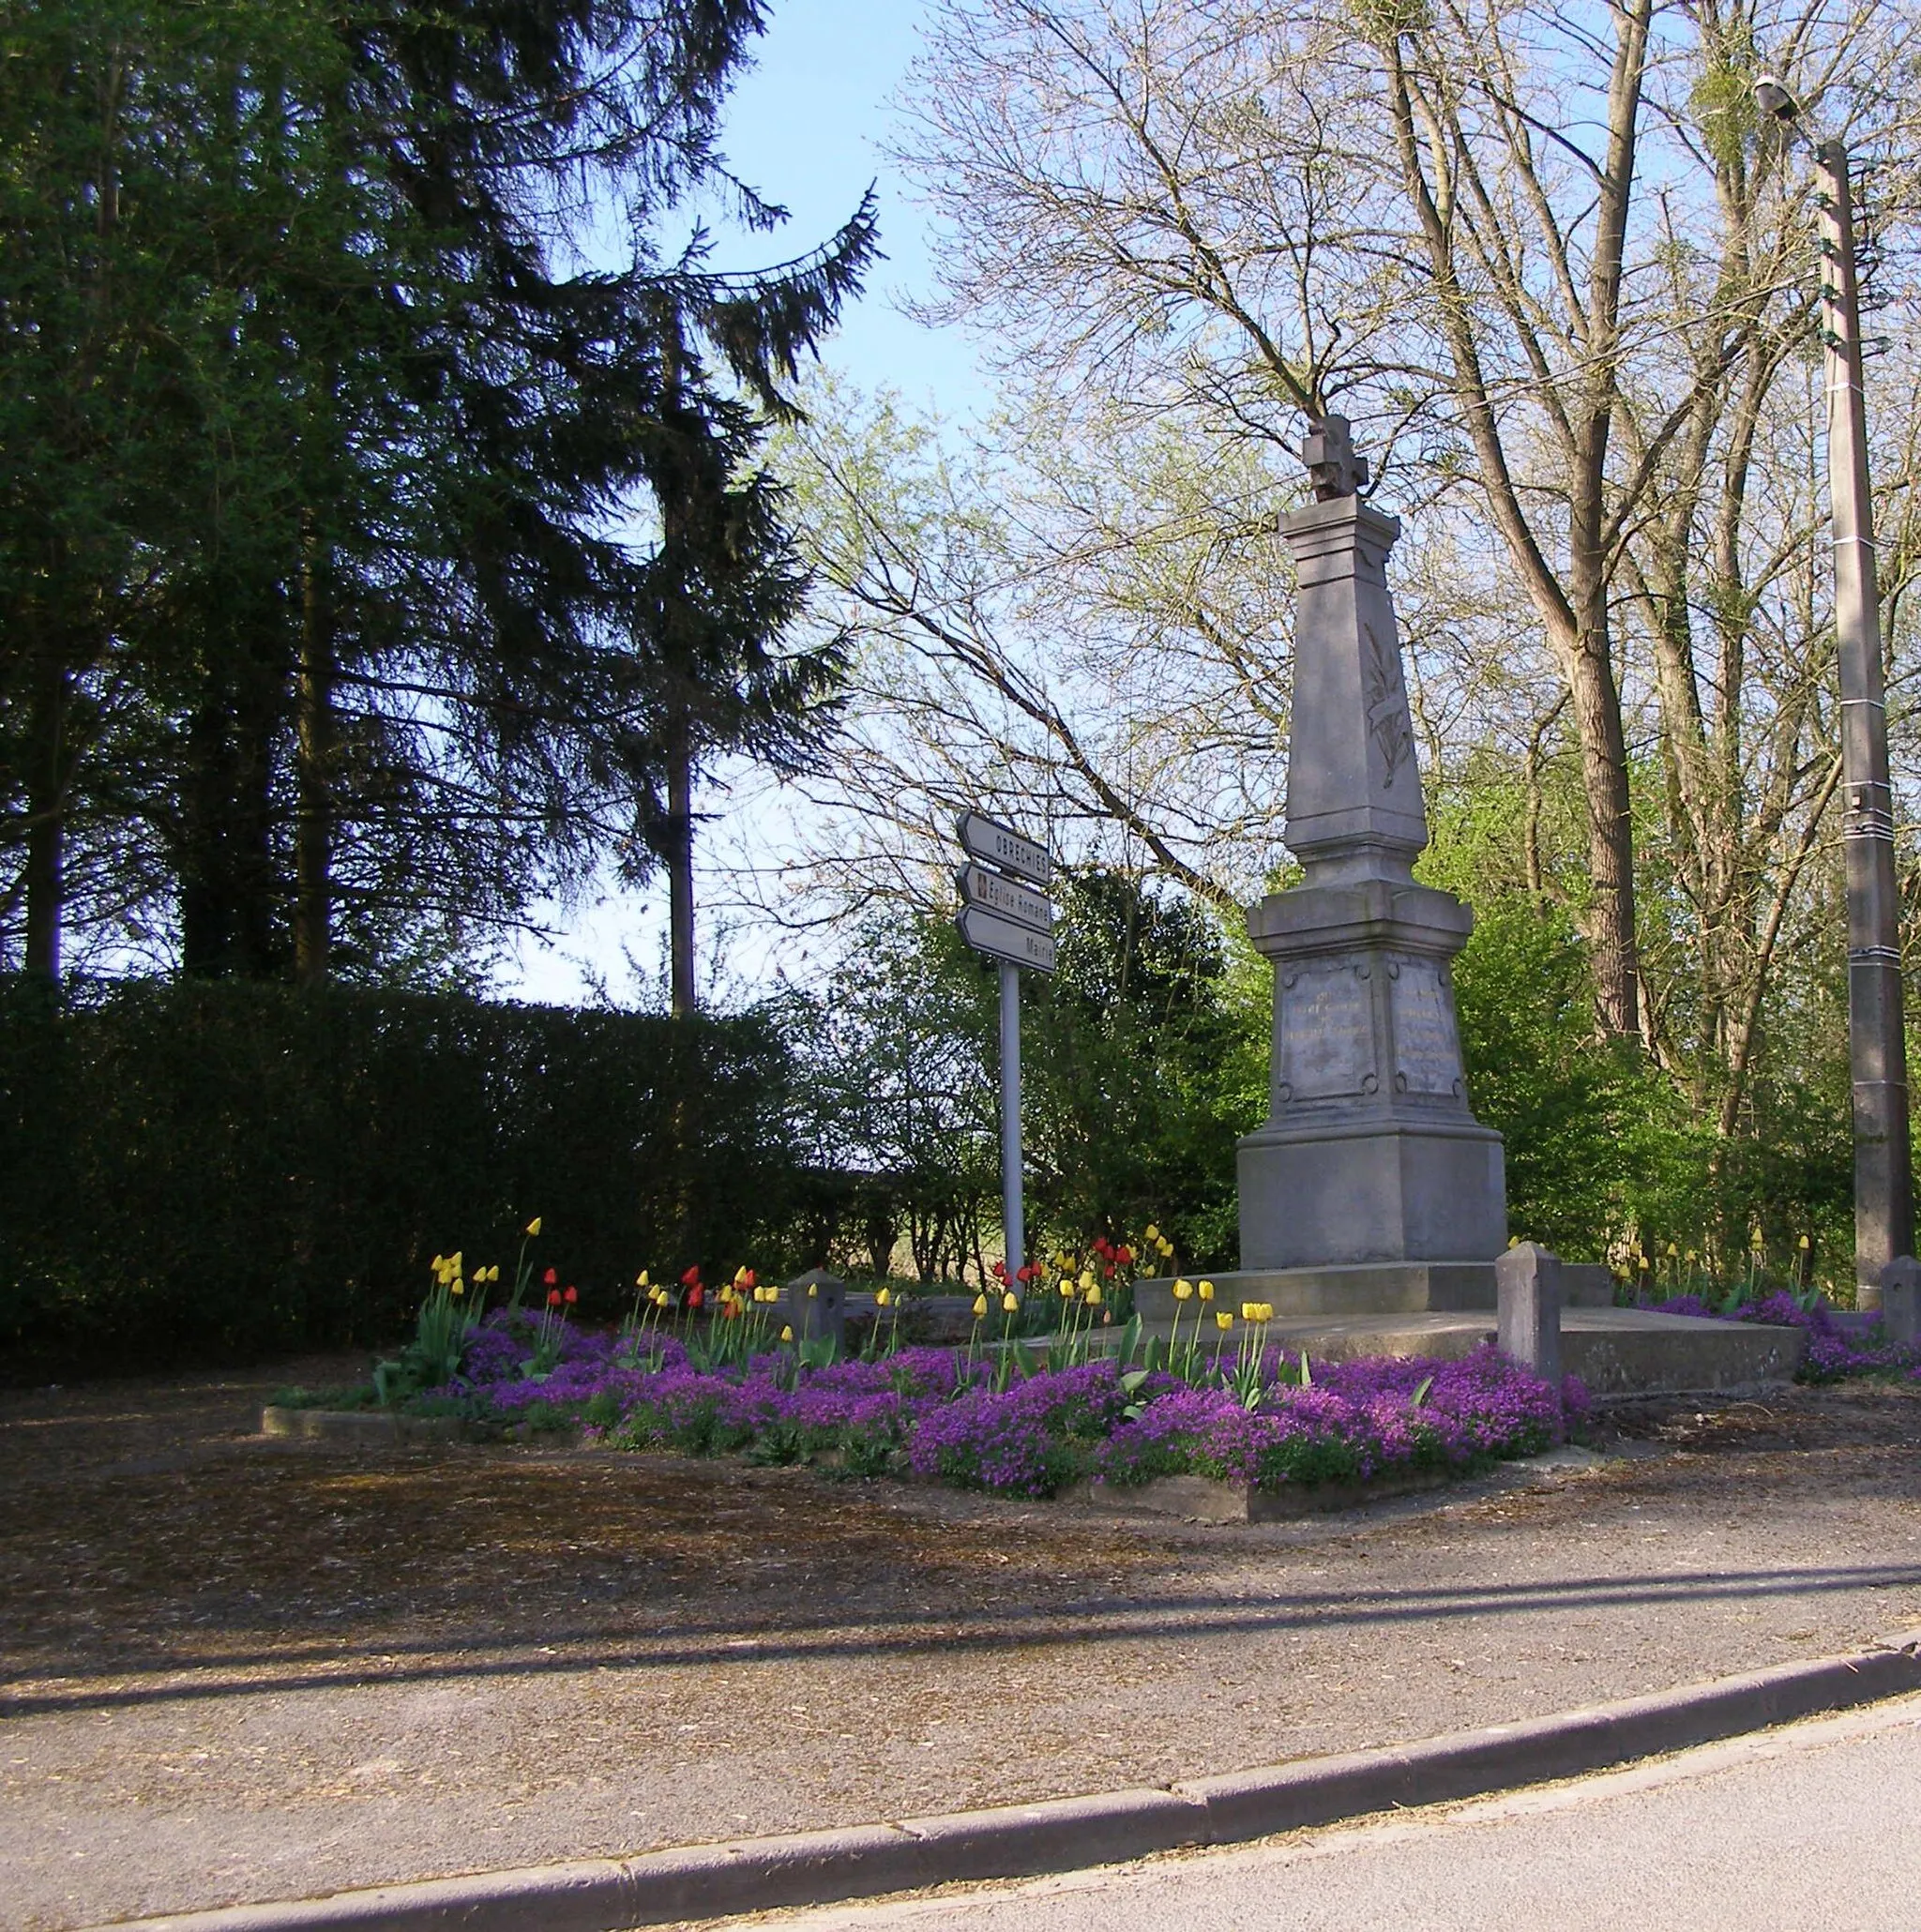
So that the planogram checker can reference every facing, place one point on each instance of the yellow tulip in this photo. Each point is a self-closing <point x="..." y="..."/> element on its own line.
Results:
<point x="979" y="1306"/>
<point x="812" y="1289"/>
<point x="787" y="1335"/>
<point x="1167" y="1250"/>
<point x="1184" y="1290"/>
<point x="1067" y="1287"/>
<point x="438" y="1262"/>
<point x="1153" y="1233"/>
<point x="1247" y="1313"/>
<point x="534" y="1226"/>
<point x="883" y="1298"/>
<point x="640" y="1279"/>
<point x="1087" y="1278"/>
<point x="1223" y="1321"/>
<point x="1205" y="1290"/>
<point x="1673" y="1252"/>
<point x="1093" y="1296"/>
<point x="1803" y="1241"/>
<point x="1010" y="1302"/>
<point x="1266" y="1311"/>
<point x="459" y="1288"/>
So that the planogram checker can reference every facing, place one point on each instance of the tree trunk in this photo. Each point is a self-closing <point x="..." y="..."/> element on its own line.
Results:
<point x="232" y="893"/>
<point x="46" y="817"/>
<point x="678" y="853"/>
<point x="315" y="749"/>
<point x="1611" y="836"/>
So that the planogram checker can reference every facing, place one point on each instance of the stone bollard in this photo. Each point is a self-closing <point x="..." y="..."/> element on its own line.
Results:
<point x="1901" y="1300"/>
<point x="1527" y="1279"/>
<point x="815" y="1304"/>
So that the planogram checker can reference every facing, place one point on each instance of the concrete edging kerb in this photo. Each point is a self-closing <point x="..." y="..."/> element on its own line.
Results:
<point x="701" y="1882"/>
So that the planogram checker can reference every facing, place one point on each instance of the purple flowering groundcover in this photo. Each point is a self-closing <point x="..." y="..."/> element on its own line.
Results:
<point x="936" y="1413"/>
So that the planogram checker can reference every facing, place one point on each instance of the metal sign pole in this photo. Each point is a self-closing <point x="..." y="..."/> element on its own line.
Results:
<point x="1003" y="915"/>
<point x="1010" y="1119"/>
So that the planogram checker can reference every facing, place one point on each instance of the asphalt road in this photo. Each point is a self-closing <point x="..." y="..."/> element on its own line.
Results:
<point x="1812" y="1828"/>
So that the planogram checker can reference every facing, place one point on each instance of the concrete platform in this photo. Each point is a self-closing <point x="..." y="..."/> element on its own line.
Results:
<point x="1616" y="1352"/>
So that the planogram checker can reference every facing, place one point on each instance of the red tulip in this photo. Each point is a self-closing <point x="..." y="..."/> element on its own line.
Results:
<point x="1124" y="1254"/>
<point x="692" y="1277"/>
<point x="553" y="1298"/>
<point x="549" y="1277"/>
<point x="695" y="1295"/>
<point x="572" y="1296"/>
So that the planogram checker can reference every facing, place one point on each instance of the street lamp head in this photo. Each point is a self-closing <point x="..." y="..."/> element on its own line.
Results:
<point x="1774" y="100"/>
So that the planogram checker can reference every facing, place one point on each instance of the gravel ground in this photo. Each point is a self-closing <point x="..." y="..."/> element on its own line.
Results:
<point x="233" y="1669"/>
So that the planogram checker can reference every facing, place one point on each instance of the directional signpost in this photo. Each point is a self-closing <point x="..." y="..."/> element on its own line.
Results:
<point x="1003" y="917"/>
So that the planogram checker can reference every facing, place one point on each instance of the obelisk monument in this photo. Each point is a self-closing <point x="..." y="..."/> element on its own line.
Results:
<point x="1371" y="1188"/>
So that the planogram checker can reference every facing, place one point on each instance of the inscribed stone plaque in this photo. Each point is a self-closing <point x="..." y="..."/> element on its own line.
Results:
<point x="1426" y="1052"/>
<point x="1326" y="1033"/>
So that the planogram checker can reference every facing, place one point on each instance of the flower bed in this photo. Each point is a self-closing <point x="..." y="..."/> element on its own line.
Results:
<point x="1835" y="1352"/>
<point x="964" y="1417"/>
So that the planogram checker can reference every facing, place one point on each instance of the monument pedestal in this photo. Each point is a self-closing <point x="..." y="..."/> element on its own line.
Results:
<point x="1370" y="1152"/>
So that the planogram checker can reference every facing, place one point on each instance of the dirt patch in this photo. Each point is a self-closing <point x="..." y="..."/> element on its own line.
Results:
<point x="232" y="1670"/>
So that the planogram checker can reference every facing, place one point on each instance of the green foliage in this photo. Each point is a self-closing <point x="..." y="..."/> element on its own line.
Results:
<point x="1149" y="1060"/>
<point x="1537" y="1073"/>
<point x="1142" y="1060"/>
<point x="213" y="1172"/>
<point x="432" y="1358"/>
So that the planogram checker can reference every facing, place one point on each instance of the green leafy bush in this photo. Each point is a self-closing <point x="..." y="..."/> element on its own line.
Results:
<point x="215" y="1170"/>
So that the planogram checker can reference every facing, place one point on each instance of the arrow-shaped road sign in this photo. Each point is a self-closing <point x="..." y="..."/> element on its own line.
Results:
<point x="995" y="844"/>
<point x="980" y="887"/>
<point x="1002" y="939"/>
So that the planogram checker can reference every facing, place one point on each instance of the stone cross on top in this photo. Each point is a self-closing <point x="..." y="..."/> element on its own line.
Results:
<point x="1333" y="467"/>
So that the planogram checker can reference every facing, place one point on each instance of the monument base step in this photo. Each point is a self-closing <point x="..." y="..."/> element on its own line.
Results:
<point x="1616" y="1352"/>
<point x="1371" y="1288"/>
<point x="1368" y="1287"/>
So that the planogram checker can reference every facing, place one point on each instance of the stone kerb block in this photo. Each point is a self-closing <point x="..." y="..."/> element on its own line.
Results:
<point x="815" y="1304"/>
<point x="1527" y="1285"/>
<point x="1900" y="1299"/>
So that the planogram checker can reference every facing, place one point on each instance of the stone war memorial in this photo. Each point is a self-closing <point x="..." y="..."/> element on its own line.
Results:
<point x="1372" y="1203"/>
<point x="1371" y="1190"/>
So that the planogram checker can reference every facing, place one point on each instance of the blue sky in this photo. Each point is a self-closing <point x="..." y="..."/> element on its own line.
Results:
<point x="805" y="128"/>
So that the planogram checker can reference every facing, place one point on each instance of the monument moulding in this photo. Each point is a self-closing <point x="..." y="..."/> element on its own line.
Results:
<point x="1371" y="1188"/>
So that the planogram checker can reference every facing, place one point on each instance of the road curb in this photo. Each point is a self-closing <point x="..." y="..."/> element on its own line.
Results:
<point x="698" y="1881"/>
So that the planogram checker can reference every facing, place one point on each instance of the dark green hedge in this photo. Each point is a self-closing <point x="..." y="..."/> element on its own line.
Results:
<point x="217" y="1171"/>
